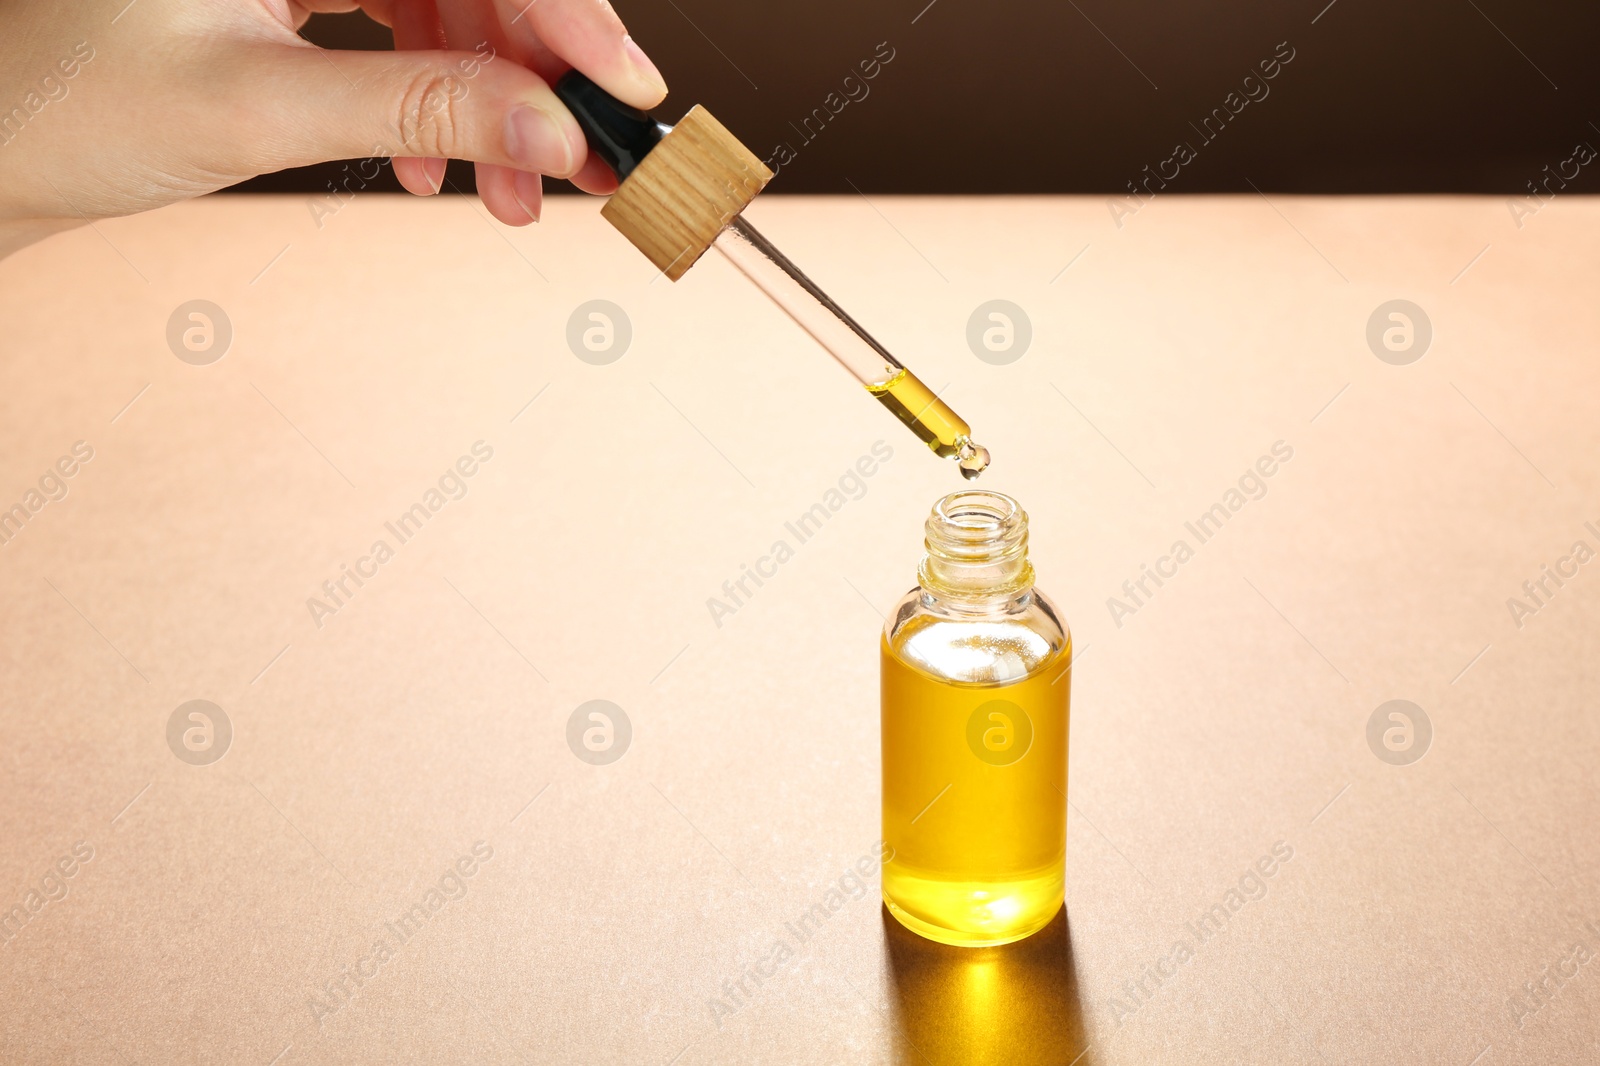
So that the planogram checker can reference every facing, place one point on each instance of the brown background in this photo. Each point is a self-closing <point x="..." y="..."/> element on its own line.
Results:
<point x="1021" y="96"/>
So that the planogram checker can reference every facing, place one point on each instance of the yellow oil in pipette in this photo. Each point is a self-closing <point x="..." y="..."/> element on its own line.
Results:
<point x="931" y="419"/>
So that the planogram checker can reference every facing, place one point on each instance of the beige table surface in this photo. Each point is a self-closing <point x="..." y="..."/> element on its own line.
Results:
<point x="621" y="903"/>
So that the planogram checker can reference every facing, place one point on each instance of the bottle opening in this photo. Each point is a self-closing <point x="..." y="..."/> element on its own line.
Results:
<point x="977" y="546"/>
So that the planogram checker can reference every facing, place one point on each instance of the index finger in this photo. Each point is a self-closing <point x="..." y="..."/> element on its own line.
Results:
<point x="586" y="34"/>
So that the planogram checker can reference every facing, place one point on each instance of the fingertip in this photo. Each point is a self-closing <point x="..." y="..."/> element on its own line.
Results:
<point x="546" y="139"/>
<point x="652" y="86"/>
<point x="587" y="34"/>
<point x="497" y="188"/>
<point x="433" y="174"/>
<point x="528" y="190"/>
<point x="412" y="174"/>
<point x="595" y="177"/>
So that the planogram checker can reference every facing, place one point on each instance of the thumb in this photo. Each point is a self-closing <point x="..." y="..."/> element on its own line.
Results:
<point x="322" y="105"/>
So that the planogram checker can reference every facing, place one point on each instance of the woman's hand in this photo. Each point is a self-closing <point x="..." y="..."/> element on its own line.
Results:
<point x="111" y="107"/>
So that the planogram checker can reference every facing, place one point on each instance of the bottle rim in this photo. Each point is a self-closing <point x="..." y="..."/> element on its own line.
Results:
<point x="977" y="524"/>
<point x="977" y="546"/>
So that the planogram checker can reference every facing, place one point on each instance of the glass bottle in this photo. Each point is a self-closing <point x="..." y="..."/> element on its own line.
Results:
<point x="976" y="672"/>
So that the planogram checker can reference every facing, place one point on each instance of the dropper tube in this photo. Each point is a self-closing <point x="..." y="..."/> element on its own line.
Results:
<point x="897" y="388"/>
<point x="683" y="190"/>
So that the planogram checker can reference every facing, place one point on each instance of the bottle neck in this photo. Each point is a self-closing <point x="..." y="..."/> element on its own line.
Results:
<point x="977" y="556"/>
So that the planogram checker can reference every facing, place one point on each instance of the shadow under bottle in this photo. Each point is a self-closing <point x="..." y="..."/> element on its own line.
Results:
<point x="1012" y="1005"/>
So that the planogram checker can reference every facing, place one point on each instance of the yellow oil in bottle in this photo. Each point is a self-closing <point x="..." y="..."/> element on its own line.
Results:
<point x="975" y="707"/>
<point x="932" y="420"/>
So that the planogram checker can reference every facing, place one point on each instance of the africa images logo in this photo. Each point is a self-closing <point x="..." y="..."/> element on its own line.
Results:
<point x="999" y="732"/>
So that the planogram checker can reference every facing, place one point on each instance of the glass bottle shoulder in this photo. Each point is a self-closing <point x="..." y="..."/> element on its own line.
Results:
<point x="999" y="645"/>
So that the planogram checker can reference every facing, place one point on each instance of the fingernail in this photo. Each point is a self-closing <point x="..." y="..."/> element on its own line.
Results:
<point x="433" y="172"/>
<point x="536" y="140"/>
<point x="529" y="193"/>
<point x="642" y="67"/>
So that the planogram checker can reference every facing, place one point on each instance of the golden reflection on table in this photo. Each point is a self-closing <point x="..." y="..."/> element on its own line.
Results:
<point x="976" y="1006"/>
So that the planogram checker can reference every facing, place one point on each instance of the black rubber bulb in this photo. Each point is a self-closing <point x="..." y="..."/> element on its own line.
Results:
<point x="619" y="134"/>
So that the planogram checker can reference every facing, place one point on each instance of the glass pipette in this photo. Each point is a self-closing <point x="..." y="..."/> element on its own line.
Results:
<point x="884" y="376"/>
<point x="669" y="212"/>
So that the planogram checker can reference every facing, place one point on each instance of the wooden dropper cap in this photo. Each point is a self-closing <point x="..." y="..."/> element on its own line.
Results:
<point x="680" y="185"/>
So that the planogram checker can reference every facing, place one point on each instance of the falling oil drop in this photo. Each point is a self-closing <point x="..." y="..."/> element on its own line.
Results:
<point x="972" y="457"/>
